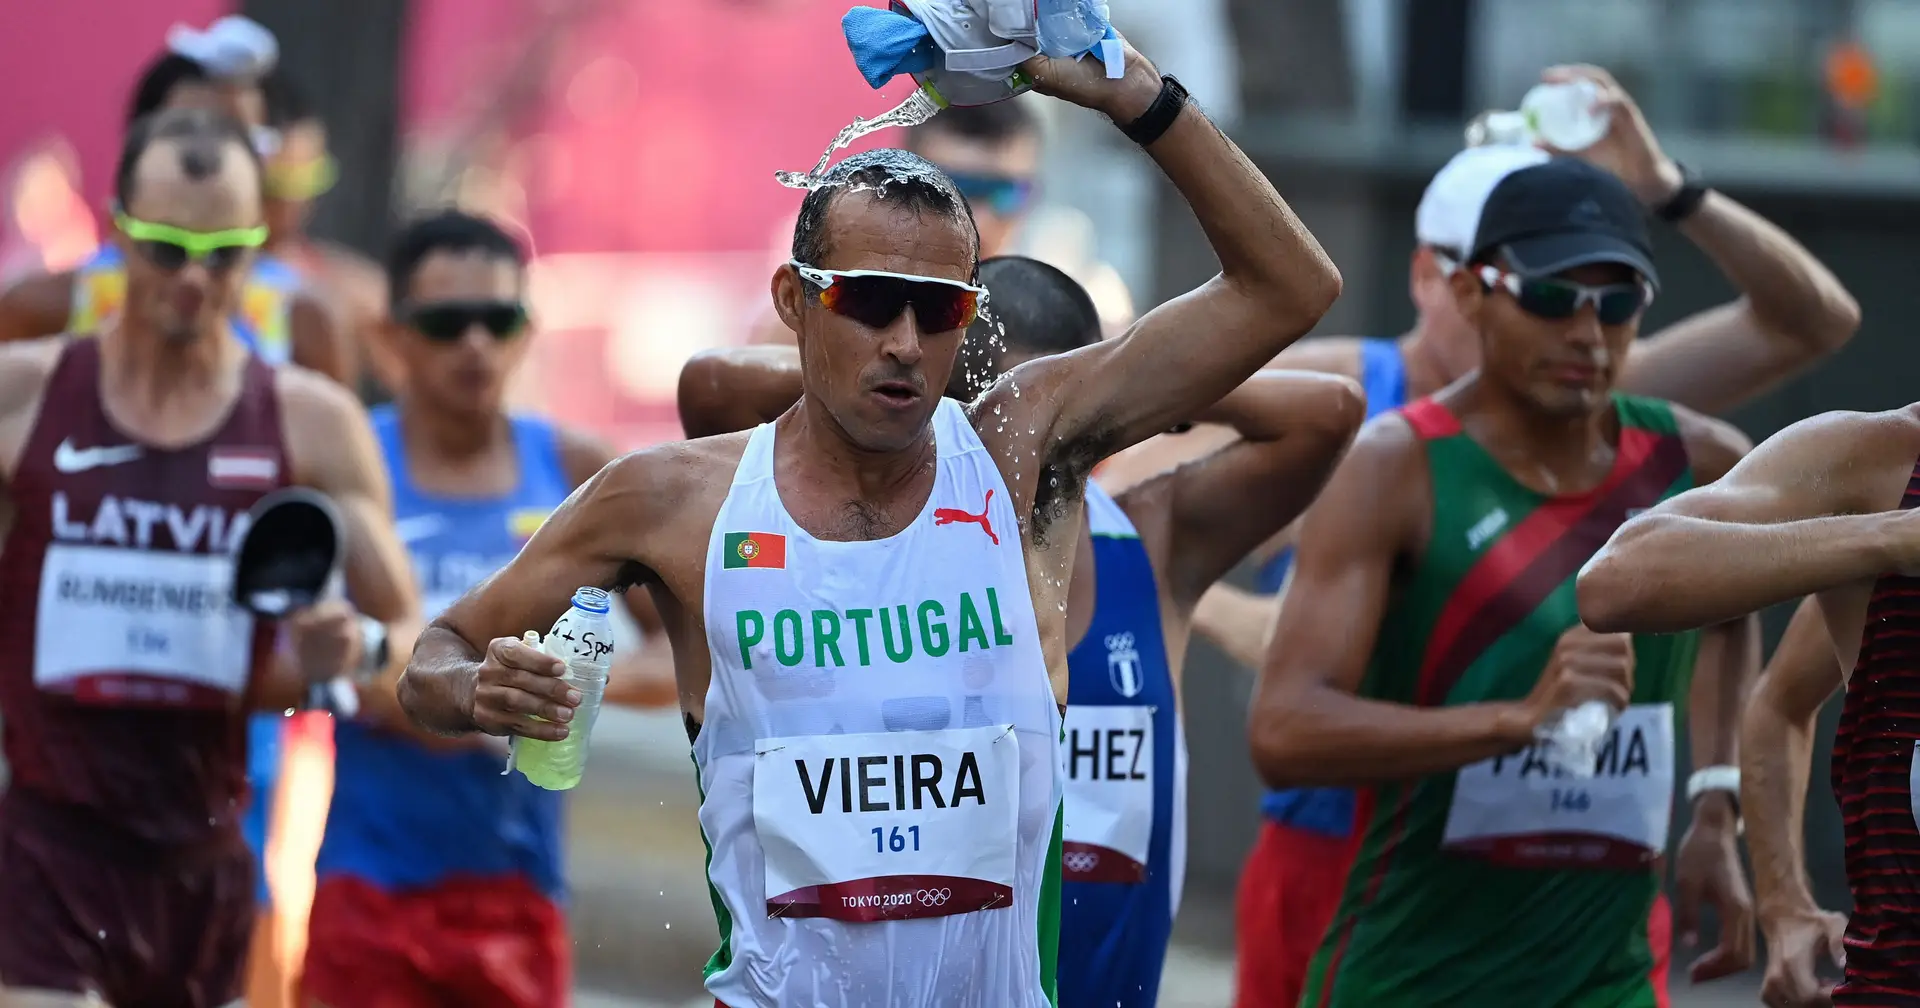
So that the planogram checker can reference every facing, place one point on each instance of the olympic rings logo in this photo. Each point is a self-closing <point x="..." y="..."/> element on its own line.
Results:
<point x="1080" y="861"/>
<point x="933" y="897"/>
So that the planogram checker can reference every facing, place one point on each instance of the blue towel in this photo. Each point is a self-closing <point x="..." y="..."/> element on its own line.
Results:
<point x="885" y="44"/>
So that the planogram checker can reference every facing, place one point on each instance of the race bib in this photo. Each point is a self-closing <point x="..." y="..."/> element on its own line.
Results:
<point x="888" y="825"/>
<point x="1517" y="810"/>
<point x="132" y="627"/>
<point x="1109" y="814"/>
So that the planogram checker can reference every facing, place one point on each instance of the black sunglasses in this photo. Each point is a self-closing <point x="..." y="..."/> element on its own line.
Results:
<point x="448" y="321"/>
<point x="1551" y="298"/>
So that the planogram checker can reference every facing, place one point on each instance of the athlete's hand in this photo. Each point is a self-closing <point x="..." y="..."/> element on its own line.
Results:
<point x="1706" y="871"/>
<point x="1796" y="940"/>
<point x="326" y="640"/>
<point x="1084" y="82"/>
<point x="1629" y="150"/>
<point x="518" y="690"/>
<point x="1584" y="666"/>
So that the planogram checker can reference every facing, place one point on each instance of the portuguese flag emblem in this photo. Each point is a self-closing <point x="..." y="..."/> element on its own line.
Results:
<point x="755" y="549"/>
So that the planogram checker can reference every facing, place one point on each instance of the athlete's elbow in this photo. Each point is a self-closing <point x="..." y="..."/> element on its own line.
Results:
<point x="1284" y="742"/>
<point x="1609" y="597"/>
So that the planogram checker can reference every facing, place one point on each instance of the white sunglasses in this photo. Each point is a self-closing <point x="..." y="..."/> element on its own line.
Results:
<point x="939" y="304"/>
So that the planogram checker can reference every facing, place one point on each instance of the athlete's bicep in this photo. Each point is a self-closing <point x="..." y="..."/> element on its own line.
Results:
<point x="1350" y="541"/>
<point x="1822" y="466"/>
<point x="36" y="306"/>
<point x="585" y="542"/>
<point x="333" y="450"/>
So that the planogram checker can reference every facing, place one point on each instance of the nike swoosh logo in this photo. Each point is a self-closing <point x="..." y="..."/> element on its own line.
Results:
<point x="418" y="527"/>
<point x="68" y="459"/>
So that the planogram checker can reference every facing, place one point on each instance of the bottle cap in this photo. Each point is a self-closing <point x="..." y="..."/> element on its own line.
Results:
<point x="592" y="600"/>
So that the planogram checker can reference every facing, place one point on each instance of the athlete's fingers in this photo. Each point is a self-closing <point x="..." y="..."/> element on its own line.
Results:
<point x="1837" y="940"/>
<point x="542" y="687"/>
<point x="499" y="711"/>
<point x="1686" y="910"/>
<point x="526" y="694"/>
<point x="1722" y="961"/>
<point x="512" y="653"/>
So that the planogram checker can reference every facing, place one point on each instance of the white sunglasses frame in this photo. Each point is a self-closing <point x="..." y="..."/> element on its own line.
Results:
<point x="1584" y="294"/>
<point x="824" y="278"/>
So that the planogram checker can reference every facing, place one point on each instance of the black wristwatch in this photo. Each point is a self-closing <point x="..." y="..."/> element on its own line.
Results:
<point x="1159" y="116"/>
<point x="1685" y="200"/>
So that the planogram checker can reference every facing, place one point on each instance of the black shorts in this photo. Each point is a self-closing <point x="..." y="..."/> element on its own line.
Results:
<point x="89" y="909"/>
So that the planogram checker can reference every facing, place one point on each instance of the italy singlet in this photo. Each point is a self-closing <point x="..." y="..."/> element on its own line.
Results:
<point x="1499" y="884"/>
<point x="1125" y="835"/>
<point x="1329" y="811"/>
<point x="262" y="322"/>
<point x="1876" y="777"/>
<point x="879" y="765"/>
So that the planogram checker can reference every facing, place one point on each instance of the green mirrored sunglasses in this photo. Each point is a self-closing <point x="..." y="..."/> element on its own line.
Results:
<point x="171" y="248"/>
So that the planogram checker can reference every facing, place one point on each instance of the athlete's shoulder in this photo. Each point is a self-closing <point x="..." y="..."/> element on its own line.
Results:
<point x="25" y="367"/>
<point x="1339" y="355"/>
<point x="676" y="471"/>
<point x="36" y="305"/>
<point x="1714" y="446"/>
<point x="581" y="453"/>
<point x="306" y="394"/>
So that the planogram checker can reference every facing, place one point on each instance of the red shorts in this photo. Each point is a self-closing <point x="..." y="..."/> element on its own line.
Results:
<point x="1290" y="890"/>
<point x="479" y="943"/>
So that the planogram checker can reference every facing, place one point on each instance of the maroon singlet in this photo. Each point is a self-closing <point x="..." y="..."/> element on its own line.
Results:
<point x="1874" y="777"/>
<point x="126" y="677"/>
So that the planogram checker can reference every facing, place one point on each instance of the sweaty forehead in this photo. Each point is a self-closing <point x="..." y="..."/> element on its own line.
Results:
<point x="865" y="233"/>
<point x="165" y="191"/>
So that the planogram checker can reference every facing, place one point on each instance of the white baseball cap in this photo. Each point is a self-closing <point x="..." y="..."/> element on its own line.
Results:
<point x="1449" y="211"/>
<point x="231" y="48"/>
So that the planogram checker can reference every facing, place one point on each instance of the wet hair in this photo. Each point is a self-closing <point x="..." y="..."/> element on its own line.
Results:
<point x="202" y="137"/>
<point x="449" y="230"/>
<point x="156" y="83"/>
<point x="1037" y="311"/>
<point x="286" y="102"/>
<point x="997" y="123"/>
<point x="895" y="177"/>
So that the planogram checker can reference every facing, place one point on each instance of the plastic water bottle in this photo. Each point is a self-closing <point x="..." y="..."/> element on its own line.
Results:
<point x="1573" y="739"/>
<point x="1560" y="116"/>
<point x="583" y="638"/>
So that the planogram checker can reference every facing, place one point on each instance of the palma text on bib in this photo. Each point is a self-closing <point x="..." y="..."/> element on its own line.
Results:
<point x="1109" y="798"/>
<point x="888" y="825"/>
<point x="1517" y="810"/>
<point x="140" y="628"/>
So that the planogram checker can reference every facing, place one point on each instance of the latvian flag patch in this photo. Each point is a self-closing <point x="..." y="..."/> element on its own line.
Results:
<point x="243" y="468"/>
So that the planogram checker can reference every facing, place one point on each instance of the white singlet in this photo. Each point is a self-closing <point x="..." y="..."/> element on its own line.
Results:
<point x="879" y="766"/>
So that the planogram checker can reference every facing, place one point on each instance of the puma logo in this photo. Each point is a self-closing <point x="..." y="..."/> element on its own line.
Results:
<point x="947" y="516"/>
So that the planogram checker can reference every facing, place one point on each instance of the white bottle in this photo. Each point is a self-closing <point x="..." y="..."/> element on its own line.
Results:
<point x="1573" y="739"/>
<point x="583" y="638"/>
<point x="1560" y="116"/>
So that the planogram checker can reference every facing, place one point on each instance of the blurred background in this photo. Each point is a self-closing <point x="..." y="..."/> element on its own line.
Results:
<point x="635" y="142"/>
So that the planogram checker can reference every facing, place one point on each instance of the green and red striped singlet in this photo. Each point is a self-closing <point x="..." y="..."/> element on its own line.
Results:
<point x="1501" y="885"/>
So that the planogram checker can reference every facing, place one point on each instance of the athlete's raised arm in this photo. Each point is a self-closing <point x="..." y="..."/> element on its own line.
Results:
<point x="1293" y="426"/>
<point x="1792" y="311"/>
<point x="736" y="388"/>
<point x="1776" y="757"/>
<point x="1275" y="283"/>
<point x="1807" y="511"/>
<point x="1307" y="727"/>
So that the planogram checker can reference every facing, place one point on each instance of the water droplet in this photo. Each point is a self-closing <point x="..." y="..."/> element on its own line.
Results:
<point x="918" y="108"/>
<point x="100" y="934"/>
<point x="669" y="926"/>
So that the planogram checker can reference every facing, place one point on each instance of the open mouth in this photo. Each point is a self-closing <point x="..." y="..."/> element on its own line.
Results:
<point x="896" y="393"/>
